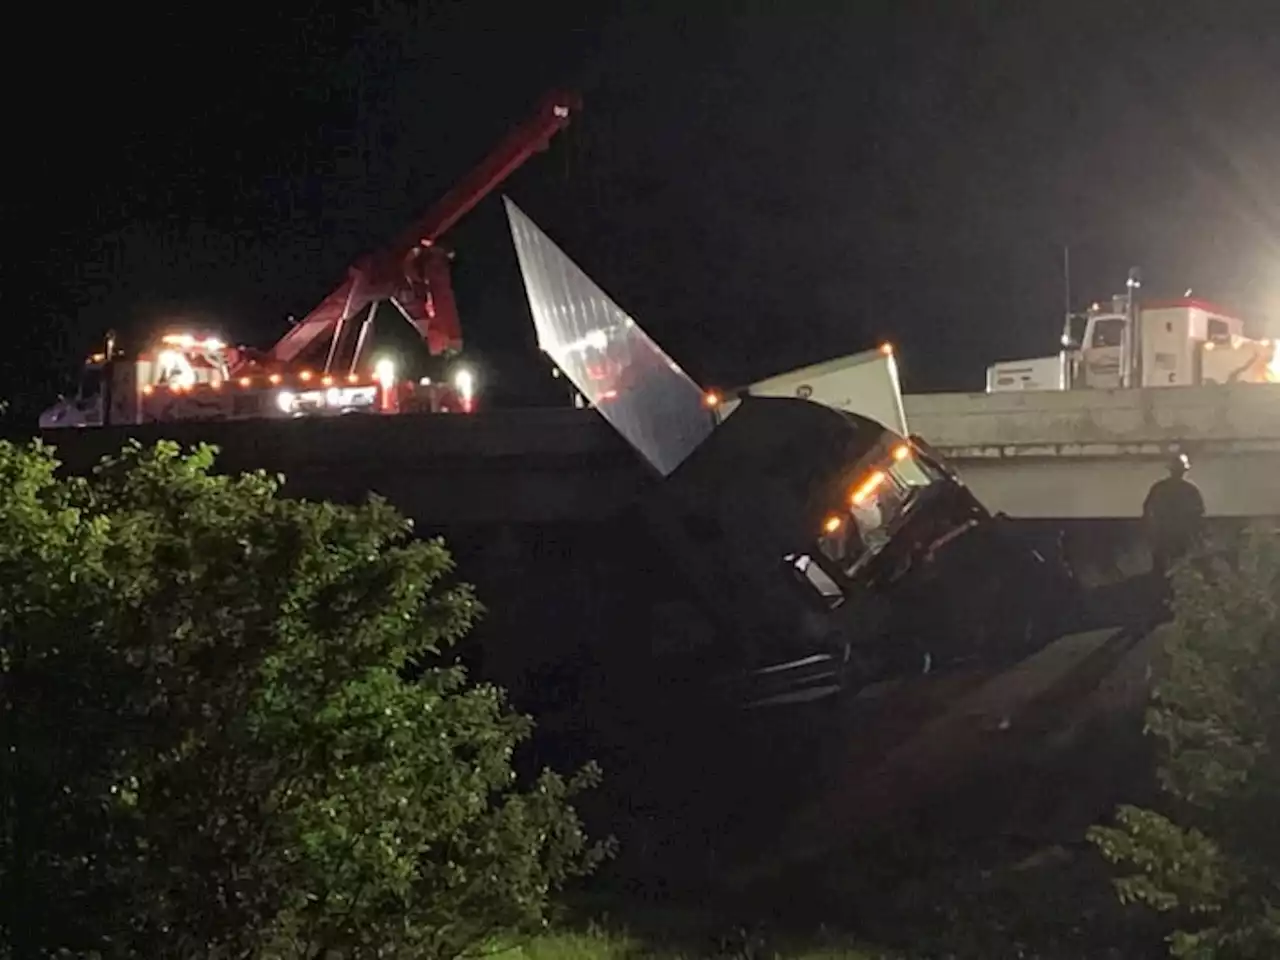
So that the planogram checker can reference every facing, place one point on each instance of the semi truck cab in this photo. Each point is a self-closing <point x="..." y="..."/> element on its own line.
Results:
<point x="836" y="553"/>
<point x="1167" y="343"/>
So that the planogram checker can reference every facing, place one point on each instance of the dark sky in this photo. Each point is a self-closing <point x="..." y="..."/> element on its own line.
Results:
<point x="759" y="189"/>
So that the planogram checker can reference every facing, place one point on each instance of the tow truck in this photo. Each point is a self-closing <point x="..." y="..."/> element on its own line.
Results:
<point x="313" y="370"/>
<point x="1129" y="342"/>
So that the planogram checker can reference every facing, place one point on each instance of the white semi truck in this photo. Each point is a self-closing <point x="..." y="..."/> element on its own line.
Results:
<point x="1157" y="343"/>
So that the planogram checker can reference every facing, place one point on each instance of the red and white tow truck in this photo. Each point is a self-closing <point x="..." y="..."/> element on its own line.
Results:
<point x="312" y="370"/>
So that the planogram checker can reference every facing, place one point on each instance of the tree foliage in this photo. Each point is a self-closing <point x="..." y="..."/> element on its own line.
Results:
<point x="232" y="730"/>
<point x="1212" y="858"/>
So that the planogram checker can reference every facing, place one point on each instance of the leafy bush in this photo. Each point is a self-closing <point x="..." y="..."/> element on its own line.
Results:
<point x="230" y="730"/>
<point x="1212" y="859"/>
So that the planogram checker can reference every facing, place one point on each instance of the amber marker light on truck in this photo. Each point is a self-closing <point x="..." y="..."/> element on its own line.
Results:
<point x="831" y="524"/>
<point x="867" y="488"/>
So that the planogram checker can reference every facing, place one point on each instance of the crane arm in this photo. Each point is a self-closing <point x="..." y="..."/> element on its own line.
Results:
<point x="407" y="269"/>
<point x="533" y="136"/>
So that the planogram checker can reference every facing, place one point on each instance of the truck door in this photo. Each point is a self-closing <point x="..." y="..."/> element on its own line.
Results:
<point x="90" y="398"/>
<point x="1102" y="357"/>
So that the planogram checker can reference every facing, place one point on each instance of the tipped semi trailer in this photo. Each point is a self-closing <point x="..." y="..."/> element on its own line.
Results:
<point x="829" y="550"/>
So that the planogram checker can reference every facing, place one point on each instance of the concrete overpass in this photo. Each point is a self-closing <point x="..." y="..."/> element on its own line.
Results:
<point x="1092" y="454"/>
<point x="519" y="491"/>
<point x="1089" y="454"/>
<point x="540" y="467"/>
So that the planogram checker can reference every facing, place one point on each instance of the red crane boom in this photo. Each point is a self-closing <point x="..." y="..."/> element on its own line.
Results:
<point x="413" y="271"/>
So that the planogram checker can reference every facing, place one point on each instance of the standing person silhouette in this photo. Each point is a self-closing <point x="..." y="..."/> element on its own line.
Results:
<point x="1173" y="513"/>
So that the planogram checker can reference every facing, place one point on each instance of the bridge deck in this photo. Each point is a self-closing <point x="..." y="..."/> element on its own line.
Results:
<point x="1079" y="454"/>
<point x="519" y="466"/>
<point x="1094" y="453"/>
<point x="1104" y="423"/>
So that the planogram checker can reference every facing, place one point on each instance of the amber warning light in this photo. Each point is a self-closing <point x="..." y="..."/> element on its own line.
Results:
<point x="867" y="488"/>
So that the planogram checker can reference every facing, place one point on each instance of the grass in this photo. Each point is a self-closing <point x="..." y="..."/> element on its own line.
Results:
<point x="596" y="943"/>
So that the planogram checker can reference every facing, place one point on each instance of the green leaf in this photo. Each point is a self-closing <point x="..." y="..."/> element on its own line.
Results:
<point x="1212" y="855"/>
<point x="236" y="730"/>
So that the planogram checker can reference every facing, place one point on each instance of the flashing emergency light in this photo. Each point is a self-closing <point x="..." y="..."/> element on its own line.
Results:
<point x="465" y="383"/>
<point x="177" y="367"/>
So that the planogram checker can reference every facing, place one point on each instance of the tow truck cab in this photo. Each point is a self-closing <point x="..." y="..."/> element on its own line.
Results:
<point x="113" y="384"/>
<point x="188" y="377"/>
<point x="85" y="407"/>
<point x="833" y="552"/>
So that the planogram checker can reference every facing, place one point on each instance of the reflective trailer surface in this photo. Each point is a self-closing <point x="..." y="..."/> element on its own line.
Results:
<point x="615" y="365"/>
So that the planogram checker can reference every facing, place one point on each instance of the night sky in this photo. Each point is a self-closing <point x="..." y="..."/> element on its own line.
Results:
<point x="760" y="190"/>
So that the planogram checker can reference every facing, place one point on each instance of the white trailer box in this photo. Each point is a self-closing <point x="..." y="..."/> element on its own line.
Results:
<point x="865" y="383"/>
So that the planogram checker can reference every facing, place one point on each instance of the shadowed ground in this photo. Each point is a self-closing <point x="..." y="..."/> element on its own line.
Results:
<point x="959" y="797"/>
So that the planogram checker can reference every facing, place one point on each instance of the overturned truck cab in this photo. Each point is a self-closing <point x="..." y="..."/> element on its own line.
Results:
<point x="829" y="551"/>
<point x="837" y="553"/>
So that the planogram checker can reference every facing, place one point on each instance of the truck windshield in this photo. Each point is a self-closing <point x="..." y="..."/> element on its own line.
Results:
<point x="1108" y="332"/>
<point x="876" y="510"/>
